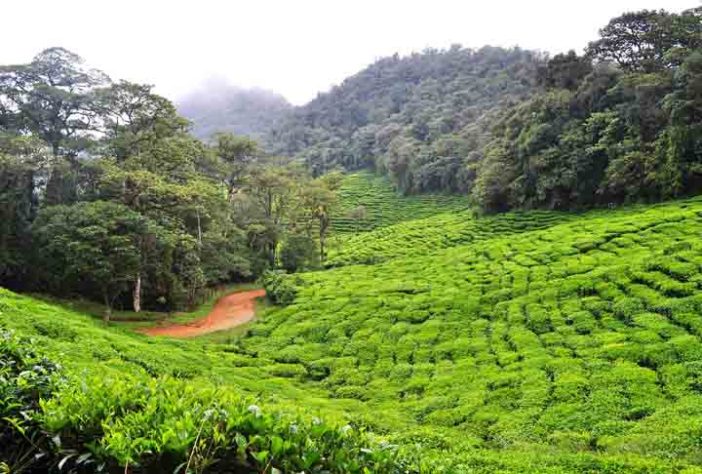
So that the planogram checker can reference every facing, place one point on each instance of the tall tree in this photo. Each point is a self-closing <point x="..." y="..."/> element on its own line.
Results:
<point x="644" y="40"/>
<point x="134" y="118"/>
<point x="318" y="198"/>
<point x="93" y="244"/>
<point x="52" y="98"/>
<point x="237" y="155"/>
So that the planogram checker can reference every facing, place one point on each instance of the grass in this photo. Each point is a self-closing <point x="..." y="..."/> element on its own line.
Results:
<point x="144" y="319"/>
<point x="526" y="343"/>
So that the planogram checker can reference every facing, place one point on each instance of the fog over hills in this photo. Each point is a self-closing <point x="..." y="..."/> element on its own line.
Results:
<point x="218" y="106"/>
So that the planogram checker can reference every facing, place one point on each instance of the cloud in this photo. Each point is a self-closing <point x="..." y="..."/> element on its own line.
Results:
<point x="295" y="48"/>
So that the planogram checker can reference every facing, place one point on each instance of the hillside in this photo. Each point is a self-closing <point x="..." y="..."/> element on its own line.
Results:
<point x="220" y="107"/>
<point x="368" y="201"/>
<point x="577" y="338"/>
<point x="113" y="399"/>
<point x="525" y="342"/>
<point x="455" y="261"/>
<point x="519" y="129"/>
<point x="415" y="118"/>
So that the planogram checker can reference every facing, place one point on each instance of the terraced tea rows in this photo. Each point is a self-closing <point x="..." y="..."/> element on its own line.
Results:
<point x="435" y="233"/>
<point x="579" y="338"/>
<point x="368" y="201"/>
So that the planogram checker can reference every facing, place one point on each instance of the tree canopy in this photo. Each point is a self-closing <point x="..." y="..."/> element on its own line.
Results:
<point x="106" y="194"/>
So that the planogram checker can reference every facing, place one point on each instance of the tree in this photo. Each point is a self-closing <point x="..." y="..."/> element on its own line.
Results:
<point x="682" y="140"/>
<point x="52" y="97"/>
<point x="645" y="41"/>
<point x="318" y="198"/>
<point x="298" y="252"/>
<point x="271" y="187"/>
<point x="94" y="245"/>
<point x="237" y="154"/>
<point x="22" y="161"/>
<point x="564" y="71"/>
<point x="135" y="119"/>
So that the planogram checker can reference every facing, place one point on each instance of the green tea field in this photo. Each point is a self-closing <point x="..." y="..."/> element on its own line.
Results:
<point x="518" y="343"/>
<point x="367" y="201"/>
<point x="532" y="342"/>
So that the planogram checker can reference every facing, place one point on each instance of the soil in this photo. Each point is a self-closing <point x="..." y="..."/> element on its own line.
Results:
<point x="229" y="311"/>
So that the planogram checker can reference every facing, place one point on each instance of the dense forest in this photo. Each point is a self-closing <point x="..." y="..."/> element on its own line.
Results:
<point x="106" y="194"/>
<point x="517" y="129"/>
<point x="620" y="124"/>
<point x="220" y="107"/>
<point x="416" y="118"/>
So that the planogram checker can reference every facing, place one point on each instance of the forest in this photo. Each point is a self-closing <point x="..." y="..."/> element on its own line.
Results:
<point x="104" y="193"/>
<point x="518" y="130"/>
<point x="471" y="260"/>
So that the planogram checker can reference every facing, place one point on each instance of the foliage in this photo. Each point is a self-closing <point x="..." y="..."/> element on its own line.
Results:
<point x="25" y="379"/>
<point x="523" y="342"/>
<point x="603" y="135"/>
<point x="573" y="335"/>
<point x="298" y="252"/>
<point x="517" y="130"/>
<point x="106" y="421"/>
<point x="104" y="193"/>
<point x="414" y="118"/>
<point x="280" y="287"/>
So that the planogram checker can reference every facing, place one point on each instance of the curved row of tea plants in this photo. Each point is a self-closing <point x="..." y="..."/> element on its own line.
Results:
<point x="119" y="401"/>
<point x="572" y="346"/>
<point x="368" y="201"/>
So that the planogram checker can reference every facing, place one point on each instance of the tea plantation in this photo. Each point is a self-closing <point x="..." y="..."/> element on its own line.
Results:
<point x="368" y="201"/>
<point x="526" y="342"/>
<point x="522" y="342"/>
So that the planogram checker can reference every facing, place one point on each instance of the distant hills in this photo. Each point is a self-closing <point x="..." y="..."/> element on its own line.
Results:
<point x="518" y="129"/>
<point x="218" y="106"/>
<point x="416" y="118"/>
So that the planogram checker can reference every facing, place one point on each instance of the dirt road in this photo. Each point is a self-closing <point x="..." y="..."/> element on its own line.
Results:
<point x="230" y="311"/>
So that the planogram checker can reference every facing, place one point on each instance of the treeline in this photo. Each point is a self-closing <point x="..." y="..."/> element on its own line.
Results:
<point x="515" y="129"/>
<point x="621" y="123"/>
<point x="106" y="194"/>
<point x="416" y="118"/>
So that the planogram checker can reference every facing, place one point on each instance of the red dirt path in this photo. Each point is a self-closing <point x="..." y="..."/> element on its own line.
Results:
<point x="229" y="311"/>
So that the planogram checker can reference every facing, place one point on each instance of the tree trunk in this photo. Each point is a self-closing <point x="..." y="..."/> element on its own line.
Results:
<point x="199" y="229"/>
<point x="321" y="245"/>
<point x="137" y="294"/>
<point x="108" y="307"/>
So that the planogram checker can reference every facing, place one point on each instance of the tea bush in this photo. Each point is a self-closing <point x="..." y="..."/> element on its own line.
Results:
<point x="135" y="405"/>
<point x="575" y="336"/>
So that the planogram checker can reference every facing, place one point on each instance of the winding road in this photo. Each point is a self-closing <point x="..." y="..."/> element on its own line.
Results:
<point x="229" y="311"/>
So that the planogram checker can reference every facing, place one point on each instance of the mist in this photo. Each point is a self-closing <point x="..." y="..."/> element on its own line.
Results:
<point x="297" y="49"/>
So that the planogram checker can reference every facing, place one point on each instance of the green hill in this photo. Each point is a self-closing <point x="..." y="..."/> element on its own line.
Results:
<point x="368" y="201"/>
<point x="577" y="338"/>
<point x="526" y="342"/>
<point x="416" y="117"/>
<point x="101" y="398"/>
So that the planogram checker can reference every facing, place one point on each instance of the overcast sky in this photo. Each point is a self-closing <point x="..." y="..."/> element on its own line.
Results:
<point x="294" y="47"/>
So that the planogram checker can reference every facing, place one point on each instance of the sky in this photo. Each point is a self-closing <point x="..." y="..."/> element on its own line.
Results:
<point x="294" y="47"/>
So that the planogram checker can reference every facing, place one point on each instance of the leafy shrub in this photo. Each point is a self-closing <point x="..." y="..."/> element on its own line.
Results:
<point x="25" y="379"/>
<point x="280" y="287"/>
<point x="107" y="421"/>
